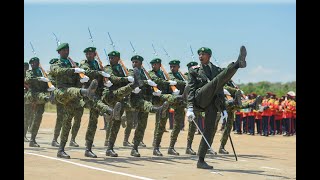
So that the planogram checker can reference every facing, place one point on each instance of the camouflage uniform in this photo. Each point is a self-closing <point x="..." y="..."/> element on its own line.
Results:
<point x="174" y="102"/>
<point x="36" y="95"/>
<point x="28" y="112"/>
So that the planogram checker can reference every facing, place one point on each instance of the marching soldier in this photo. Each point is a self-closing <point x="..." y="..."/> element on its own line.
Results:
<point x="28" y="113"/>
<point x="96" y="106"/>
<point x="36" y="95"/>
<point x="206" y="82"/>
<point x="66" y="75"/>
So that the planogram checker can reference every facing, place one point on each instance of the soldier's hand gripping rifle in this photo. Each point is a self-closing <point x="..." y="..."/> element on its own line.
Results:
<point x="105" y="79"/>
<point x="44" y="74"/>
<point x="81" y="74"/>
<point x="173" y="87"/>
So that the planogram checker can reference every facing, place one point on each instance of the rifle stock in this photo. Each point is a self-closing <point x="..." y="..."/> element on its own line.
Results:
<point x="173" y="88"/>
<point x="75" y="66"/>
<point x="155" y="89"/>
<point x="45" y="75"/>
<point x="105" y="79"/>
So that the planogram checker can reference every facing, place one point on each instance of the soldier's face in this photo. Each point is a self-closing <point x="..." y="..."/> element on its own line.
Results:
<point x="90" y="55"/>
<point x="35" y="64"/>
<point x="156" y="66"/>
<point x="114" y="60"/>
<point x="174" y="68"/>
<point x="136" y="63"/>
<point x="204" y="57"/>
<point x="64" y="53"/>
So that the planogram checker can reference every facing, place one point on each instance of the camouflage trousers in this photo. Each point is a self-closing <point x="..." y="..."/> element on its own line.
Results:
<point x="64" y="95"/>
<point x="179" y="116"/>
<point x="59" y="120"/>
<point x="38" y="112"/>
<point x="192" y="128"/>
<point x="140" y="129"/>
<point x="97" y="108"/>
<point x="35" y="97"/>
<point x="130" y="115"/>
<point x="28" y="117"/>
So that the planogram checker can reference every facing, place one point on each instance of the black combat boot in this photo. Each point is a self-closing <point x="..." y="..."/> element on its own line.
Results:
<point x="54" y="142"/>
<point x="202" y="164"/>
<point x="61" y="153"/>
<point x="141" y="144"/>
<point x="211" y="152"/>
<point x="171" y="149"/>
<point x="26" y="139"/>
<point x="126" y="142"/>
<point x="189" y="149"/>
<point x="90" y="92"/>
<point x="162" y="109"/>
<point x="73" y="143"/>
<point x="157" y="152"/>
<point x="137" y="79"/>
<point x="134" y="152"/>
<point x="237" y="98"/>
<point x="222" y="150"/>
<point x="88" y="152"/>
<point x="241" y="62"/>
<point x="33" y="142"/>
<point x="110" y="151"/>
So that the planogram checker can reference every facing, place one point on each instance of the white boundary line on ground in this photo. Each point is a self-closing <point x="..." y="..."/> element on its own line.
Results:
<point x="90" y="167"/>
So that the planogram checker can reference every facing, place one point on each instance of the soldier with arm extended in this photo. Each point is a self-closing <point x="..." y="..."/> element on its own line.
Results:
<point x="206" y="82"/>
<point x="67" y="79"/>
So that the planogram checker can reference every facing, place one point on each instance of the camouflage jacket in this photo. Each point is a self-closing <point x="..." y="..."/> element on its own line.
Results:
<point x="197" y="79"/>
<point x="159" y="78"/>
<point x="92" y="69"/>
<point x="179" y="79"/>
<point x="118" y="77"/>
<point x="63" y="73"/>
<point x="32" y="79"/>
<point x="146" y="90"/>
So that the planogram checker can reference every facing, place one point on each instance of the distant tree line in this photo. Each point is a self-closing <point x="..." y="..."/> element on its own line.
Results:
<point x="261" y="88"/>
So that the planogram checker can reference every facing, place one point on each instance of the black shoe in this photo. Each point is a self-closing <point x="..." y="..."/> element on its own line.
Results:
<point x="127" y="144"/>
<point x="211" y="152"/>
<point x="89" y="153"/>
<point x="137" y="78"/>
<point x="172" y="151"/>
<point x="135" y="153"/>
<point x="26" y="139"/>
<point x="142" y="144"/>
<point x="73" y="143"/>
<point x="238" y="133"/>
<point x="242" y="58"/>
<point x="62" y="154"/>
<point x="110" y="152"/>
<point x="223" y="151"/>
<point x="33" y="143"/>
<point x="157" y="152"/>
<point x="55" y="143"/>
<point x="190" y="151"/>
<point x="203" y="165"/>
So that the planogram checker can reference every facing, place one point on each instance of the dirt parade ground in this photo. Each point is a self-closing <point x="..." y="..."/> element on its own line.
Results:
<point x="259" y="157"/>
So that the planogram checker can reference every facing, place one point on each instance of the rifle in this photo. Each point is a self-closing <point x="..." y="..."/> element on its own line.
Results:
<point x="51" y="87"/>
<point x="105" y="79"/>
<point x="173" y="88"/>
<point x="69" y="58"/>
<point x="155" y="89"/>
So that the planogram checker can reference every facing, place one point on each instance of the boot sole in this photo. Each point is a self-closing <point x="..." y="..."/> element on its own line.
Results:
<point x="92" y="88"/>
<point x="117" y="111"/>
<point x="243" y="54"/>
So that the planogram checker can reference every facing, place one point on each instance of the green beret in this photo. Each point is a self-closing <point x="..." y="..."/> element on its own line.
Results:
<point x="137" y="57"/>
<point x="26" y="64"/>
<point x="174" y="62"/>
<point x="62" y="46"/>
<point x="54" y="60"/>
<point x="90" y="49"/>
<point x="155" y="60"/>
<point x="192" y="63"/>
<point x="114" y="53"/>
<point x="205" y="50"/>
<point x="34" y="59"/>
